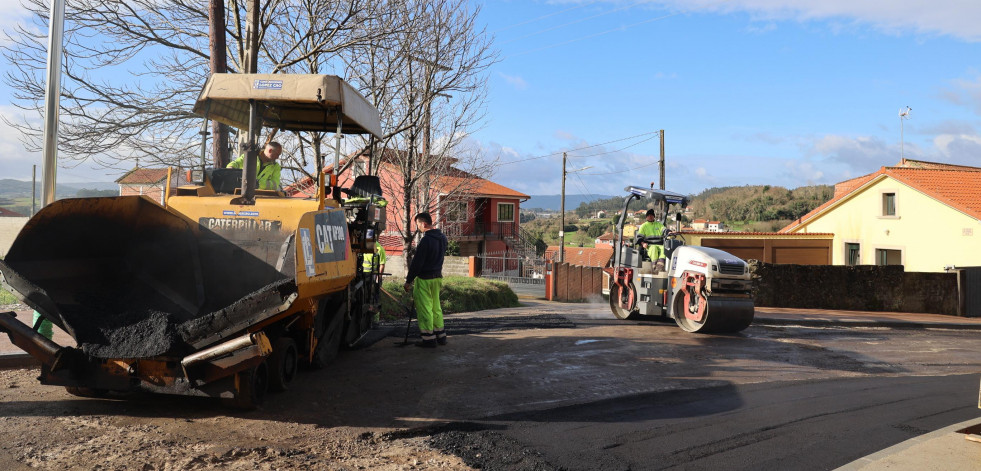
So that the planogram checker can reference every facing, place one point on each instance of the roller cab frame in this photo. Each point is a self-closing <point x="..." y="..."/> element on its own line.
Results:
<point x="225" y="289"/>
<point x="702" y="289"/>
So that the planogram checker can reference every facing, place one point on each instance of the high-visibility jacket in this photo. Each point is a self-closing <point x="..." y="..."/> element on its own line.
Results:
<point x="653" y="229"/>
<point x="266" y="175"/>
<point x="369" y="258"/>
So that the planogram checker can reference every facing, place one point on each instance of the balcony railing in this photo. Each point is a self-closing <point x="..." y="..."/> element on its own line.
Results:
<point x="481" y="230"/>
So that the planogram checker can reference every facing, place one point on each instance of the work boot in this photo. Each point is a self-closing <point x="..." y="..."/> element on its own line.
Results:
<point x="431" y="343"/>
<point x="659" y="265"/>
<point x="441" y="337"/>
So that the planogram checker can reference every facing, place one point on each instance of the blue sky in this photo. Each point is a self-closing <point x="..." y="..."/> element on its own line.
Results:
<point x="779" y="92"/>
<point x="773" y="92"/>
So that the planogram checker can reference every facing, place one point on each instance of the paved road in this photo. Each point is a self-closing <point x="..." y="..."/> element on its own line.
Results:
<point x="806" y="425"/>
<point x="555" y="385"/>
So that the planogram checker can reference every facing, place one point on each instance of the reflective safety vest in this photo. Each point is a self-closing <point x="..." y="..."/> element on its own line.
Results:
<point x="369" y="258"/>
<point x="267" y="175"/>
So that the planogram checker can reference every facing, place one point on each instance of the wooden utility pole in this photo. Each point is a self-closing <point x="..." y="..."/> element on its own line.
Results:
<point x="219" y="65"/>
<point x="661" y="164"/>
<point x="562" y="211"/>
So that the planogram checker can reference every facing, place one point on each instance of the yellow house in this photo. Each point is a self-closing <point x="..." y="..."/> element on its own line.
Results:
<point x="923" y="215"/>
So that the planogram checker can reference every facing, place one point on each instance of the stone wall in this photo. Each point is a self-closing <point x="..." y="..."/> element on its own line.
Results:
<point x="452" y="266"/>
<point x="9" y="228"/>
<point x="858" y="288"/>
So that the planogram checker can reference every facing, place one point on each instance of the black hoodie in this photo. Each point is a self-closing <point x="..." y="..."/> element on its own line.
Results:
<point x="428" y="261"/>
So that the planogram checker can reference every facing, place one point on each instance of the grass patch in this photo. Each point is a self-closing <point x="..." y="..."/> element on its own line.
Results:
<point x="459" y="294"/>
<point x="7" y="298"/>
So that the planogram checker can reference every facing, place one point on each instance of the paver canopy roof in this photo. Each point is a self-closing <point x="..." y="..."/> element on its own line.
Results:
<point x="288" y="102"/>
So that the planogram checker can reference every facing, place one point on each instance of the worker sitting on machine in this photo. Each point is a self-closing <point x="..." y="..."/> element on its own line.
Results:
<point x="652" y="228"/>
<point x="267" y="173"/>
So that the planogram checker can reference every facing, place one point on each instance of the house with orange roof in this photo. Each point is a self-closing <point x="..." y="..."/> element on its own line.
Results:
<point x="150" y="182"/>
<point x="481" y="216"/>
<point x="923" y="215"/>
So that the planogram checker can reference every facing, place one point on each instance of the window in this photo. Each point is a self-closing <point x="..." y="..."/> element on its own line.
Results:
<point x="852" y="256"/>
<point x="888" y="257"/>
<point x="505" y="212"/>
<point x="456" y="211"/>
<point x="358" y="169"/>
<point x="888" y="204"/>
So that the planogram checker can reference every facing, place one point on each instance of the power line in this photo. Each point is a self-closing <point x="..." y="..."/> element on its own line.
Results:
<point x="581" y="148"/>
<point x="613" y="151"/>
<point x="623" y="171"/>
<point x="541" y="17"/>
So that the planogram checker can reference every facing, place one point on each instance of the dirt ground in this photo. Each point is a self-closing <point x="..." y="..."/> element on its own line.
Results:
<point x="390" y="407"/>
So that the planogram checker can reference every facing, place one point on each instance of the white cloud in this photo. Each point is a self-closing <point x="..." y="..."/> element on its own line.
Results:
<point x="515" y="81"/>
<point x="864" y="154"/>
<point x="964" y="92"/>
<point x="665" y="76"/>
<point x="957" y="18"/>
<point x="804" y="171"/>
<point x="701" y="172"/>
<point x="964" y="149"/>
<point x="762" y="29"/>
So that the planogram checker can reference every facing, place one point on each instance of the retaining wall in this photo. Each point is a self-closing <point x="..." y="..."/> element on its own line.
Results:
<point x="9" y="228"/>
<point x="452" y="266"/>
<point x="858" y="288"/>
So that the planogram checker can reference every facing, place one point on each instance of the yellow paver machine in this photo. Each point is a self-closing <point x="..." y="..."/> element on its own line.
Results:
<point x="224" y="289"/>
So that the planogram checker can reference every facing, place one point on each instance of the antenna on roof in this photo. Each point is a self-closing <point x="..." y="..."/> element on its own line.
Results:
<point x="904" y="114"/>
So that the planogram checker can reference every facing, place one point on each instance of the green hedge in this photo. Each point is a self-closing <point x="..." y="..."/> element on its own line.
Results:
<point x="459" y="294"/>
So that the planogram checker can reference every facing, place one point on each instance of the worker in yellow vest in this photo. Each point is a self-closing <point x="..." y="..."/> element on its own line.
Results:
<point x="653" y="228"/>
<point x="372" y="260"/>
<point x="267" y="175"/>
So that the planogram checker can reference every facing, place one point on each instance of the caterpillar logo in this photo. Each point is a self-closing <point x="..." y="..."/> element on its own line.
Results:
<point x="327" y="236"/>
<point x="330" y="236"/>
<point x="240" y="224"/>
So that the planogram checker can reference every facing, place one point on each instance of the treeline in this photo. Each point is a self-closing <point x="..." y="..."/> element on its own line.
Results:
<point x="759" y="202"/>
<point x="591" y="208"/>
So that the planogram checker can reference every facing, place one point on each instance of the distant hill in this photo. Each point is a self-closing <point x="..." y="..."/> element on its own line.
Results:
<point x="22" y="189"/>
<point x="554" y="202"/>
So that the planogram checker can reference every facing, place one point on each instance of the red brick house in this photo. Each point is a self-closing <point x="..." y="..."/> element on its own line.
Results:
<point x="148" y="181"/>
<point x="478" y="214"/>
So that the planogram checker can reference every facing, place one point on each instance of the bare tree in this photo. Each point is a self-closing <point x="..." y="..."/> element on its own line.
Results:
<point x="428" y="79"/>
<point x="133" y="68"/>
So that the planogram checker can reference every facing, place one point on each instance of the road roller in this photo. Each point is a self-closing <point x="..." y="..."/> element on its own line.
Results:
<point x="702" y="289"/>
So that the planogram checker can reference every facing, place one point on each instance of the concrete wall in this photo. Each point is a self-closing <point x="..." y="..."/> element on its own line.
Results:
<point x="452" y="266"/>
<point x="9" y="228"/>
<point x="859" y="288"/>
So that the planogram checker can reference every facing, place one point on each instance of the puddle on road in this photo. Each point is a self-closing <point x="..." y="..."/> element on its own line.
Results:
<point x="583" y="342"/>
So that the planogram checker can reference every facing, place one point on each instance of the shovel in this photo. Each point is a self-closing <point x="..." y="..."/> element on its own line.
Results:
<point x="410" y="312"/>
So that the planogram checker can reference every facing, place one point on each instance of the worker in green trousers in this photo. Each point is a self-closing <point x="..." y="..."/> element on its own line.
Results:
<point x="46" y="329"/>
<point x="426" y="271"/>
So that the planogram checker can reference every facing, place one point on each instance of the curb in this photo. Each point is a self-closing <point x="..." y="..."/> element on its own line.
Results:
<point x="16" y="361"/>
<point x="843" y="323"/>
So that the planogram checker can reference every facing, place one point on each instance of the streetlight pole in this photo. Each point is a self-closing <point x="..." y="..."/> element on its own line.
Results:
<point x="52" y="101"/>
